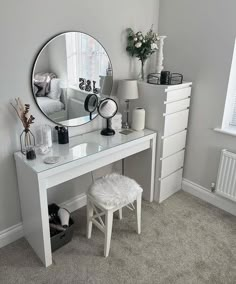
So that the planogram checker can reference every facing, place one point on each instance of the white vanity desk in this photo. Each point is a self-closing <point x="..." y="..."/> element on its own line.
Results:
<point x="78" y="158"/>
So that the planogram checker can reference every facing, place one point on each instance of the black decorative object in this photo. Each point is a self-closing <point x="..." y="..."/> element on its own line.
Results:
<point x="153" y="78"/>
<point x="88" y="85"/>
<point x="175" y="79"/>
<point x="90" y="104"/>
<point x="63" y="134"/>
<point x="165" y="78"/>
<point x="107" y="109"/>
<point x="82" y="83"/>
<point x="95" y="90"/>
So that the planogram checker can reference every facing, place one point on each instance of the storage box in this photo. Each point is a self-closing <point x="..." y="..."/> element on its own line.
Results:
<point x="62" y="238"/>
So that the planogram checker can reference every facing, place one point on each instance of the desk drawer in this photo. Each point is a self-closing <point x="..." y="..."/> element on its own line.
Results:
<point x="177" y="106"/>
<point x="175" y="122"/>
<point x="172" y="163"/>
<point x="174" y="143"/>
<point x="170" y="185"/>
<point x="179" y="94"/>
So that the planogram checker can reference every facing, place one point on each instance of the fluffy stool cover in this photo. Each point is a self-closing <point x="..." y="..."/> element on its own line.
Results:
<point x="115" y="190"/>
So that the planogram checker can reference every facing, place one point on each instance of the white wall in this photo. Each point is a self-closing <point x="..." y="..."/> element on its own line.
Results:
<point x="200" y="43"/>
<point x="24" y="27"/>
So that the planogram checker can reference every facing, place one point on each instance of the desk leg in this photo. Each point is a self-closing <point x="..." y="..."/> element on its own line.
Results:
<point x="141" y="167"/>
<point x="153" y="168"/>
<point x="34" y="208"/>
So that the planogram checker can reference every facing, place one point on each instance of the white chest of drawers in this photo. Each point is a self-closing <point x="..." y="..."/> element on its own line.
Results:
<point x="167" y="111"/>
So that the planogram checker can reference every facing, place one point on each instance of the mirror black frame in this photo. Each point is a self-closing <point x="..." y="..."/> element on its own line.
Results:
<point x="33" y="68"/>
<point x="86" y="104"/>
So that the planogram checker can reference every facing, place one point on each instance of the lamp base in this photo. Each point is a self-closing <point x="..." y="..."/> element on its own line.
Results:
<point x="125" y="125"/>
<point x="108" y="132"/>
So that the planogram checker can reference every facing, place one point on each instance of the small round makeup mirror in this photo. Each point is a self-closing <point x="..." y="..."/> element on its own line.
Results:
<point x="90" y="104"/>
<point x="107" y="109"/>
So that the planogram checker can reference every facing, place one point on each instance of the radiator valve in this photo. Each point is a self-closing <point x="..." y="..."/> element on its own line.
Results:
<point x="213" y="187"/>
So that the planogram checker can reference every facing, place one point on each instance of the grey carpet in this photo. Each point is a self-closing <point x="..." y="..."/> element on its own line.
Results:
<point x="183" y="240"/>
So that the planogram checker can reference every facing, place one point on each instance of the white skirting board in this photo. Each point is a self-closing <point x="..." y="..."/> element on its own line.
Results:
<point x="16" y="232"/>
<point x="206" y="195"/>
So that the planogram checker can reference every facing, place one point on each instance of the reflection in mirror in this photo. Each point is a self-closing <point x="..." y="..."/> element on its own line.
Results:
<point x="67" y="69"/>
<point x="86" y="149"/>
<point x="90" y="104"/>
<point x="107" y="109"/>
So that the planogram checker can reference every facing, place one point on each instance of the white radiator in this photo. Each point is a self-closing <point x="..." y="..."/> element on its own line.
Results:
<point x="226" y="179"/>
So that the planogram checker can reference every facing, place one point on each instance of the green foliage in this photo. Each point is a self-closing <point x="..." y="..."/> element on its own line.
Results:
<point x="141" y="46"/>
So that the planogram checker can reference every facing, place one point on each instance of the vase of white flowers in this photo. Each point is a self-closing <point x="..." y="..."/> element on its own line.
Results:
<point x="141" y="46"/>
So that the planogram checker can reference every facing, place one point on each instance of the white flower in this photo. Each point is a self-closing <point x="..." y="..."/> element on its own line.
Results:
<point x="135" y="39"/>
<point x="153" y="46"/>
<point x="144" y="40"/>
<point x="138" y="44"/>
<point x="140" y="38"/>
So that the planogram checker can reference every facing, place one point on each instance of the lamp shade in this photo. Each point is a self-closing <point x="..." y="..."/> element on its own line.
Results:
<point x="127" y="90"/>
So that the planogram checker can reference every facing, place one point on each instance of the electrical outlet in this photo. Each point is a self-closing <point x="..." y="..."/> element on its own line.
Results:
<point x="213" y="186"/>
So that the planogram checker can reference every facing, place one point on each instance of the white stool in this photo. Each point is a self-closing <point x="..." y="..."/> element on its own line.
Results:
<point x="109" y="194"/>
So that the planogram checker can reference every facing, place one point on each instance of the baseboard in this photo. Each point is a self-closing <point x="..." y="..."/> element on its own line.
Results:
<point x="75" y="203"/>
<point x="206" y="195"/>
<point x="11" y="234"/>
<point x="16" y="232"/>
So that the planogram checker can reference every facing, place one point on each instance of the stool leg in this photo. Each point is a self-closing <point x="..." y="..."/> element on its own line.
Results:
<point x="89" y="215"/>
<point x="138" y="212"/>
<point x="108" y="230"/>
<point x="120" y="213"/>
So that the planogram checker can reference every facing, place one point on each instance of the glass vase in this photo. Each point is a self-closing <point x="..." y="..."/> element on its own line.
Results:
<point x="27" y="143"/>
<point x="142" y="73"/>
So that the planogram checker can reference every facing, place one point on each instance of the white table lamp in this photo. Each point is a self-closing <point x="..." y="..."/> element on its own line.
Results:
<point x="127" y="90"/>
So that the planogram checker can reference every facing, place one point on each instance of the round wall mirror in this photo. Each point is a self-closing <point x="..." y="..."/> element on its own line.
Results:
<point x="68" y="68"/>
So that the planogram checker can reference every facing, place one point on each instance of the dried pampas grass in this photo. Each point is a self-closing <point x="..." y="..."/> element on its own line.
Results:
<point x="23" y="113"/>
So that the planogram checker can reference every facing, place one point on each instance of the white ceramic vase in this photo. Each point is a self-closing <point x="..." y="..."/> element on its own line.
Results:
<point x="138" y="119"/>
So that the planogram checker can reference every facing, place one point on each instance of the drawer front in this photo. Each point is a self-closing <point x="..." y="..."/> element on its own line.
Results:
<point x="177" y="106"/>
<point x="172" y="163"/>
<point x="174" y="143"/>
<point x="176" y="122"/>
<point x="176" y="95"/>
<point x="170" y="185"/>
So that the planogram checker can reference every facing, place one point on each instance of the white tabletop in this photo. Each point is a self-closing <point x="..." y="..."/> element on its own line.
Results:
<point x="81" y="146"/>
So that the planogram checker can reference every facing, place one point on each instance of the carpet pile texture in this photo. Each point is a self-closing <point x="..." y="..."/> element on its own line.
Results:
<point x="183" y="240"/>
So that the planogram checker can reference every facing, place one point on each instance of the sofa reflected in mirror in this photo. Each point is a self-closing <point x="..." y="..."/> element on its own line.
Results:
<point x="67" y="69"/>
